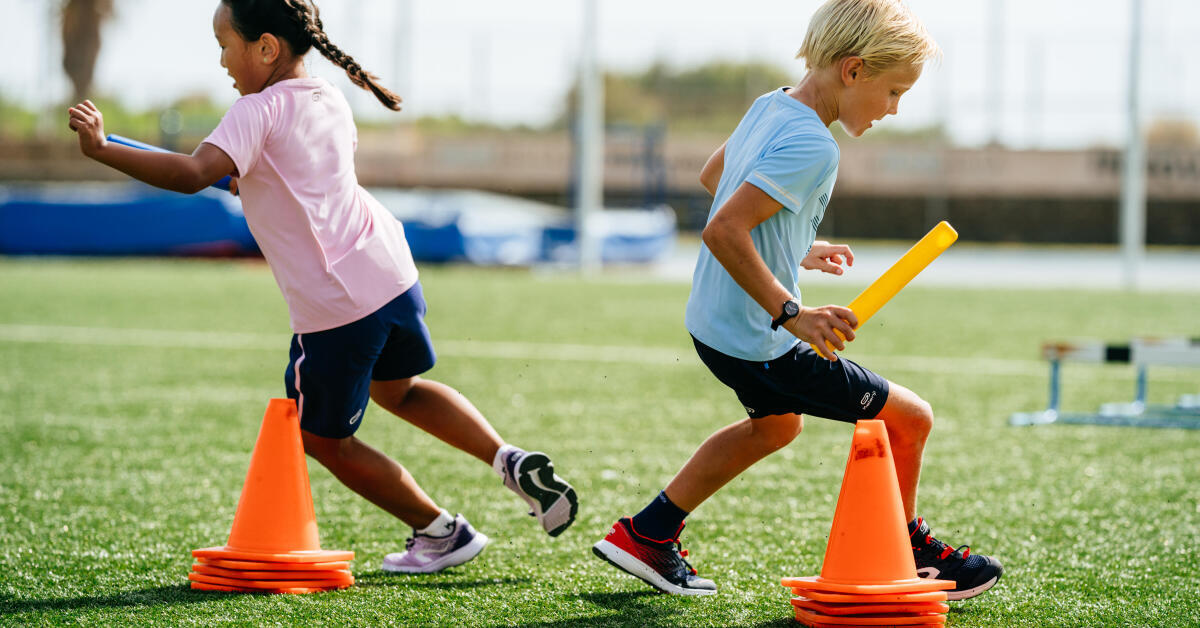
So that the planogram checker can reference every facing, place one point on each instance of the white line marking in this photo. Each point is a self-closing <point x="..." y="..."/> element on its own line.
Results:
<point x="509" y="350"/>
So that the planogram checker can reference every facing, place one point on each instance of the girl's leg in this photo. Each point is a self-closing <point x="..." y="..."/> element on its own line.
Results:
<point x="445" y="413"/>
<point x="378" y="478"/>
<point x="441" y="411"/>
<point x="908" y="420"/>
<point x="728" y="452"/>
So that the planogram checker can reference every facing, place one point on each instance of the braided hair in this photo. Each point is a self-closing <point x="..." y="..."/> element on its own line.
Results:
<point x="298" y="23"/>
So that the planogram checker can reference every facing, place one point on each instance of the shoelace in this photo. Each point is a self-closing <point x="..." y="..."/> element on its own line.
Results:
<point x="945" y="549"/>
<point x="682" y="553"/>
<point x="510" y="466"/>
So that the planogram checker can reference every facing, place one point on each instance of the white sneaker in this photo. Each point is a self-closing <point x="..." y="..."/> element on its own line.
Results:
<point x="428" y="554"/>
<point x="551" y="499"/>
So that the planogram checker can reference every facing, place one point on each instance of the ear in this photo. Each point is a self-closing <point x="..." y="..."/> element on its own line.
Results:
<point x="269" y="48"/>
<point x="850" y="68"/>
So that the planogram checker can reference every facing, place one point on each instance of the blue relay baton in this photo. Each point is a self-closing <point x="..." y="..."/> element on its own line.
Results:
<point x="223" y="184"/>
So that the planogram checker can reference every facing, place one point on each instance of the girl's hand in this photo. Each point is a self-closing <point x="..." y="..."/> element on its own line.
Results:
<point x="88" y="122"/>
<point x="827" y="257"/>
<point x="816" y="325"/>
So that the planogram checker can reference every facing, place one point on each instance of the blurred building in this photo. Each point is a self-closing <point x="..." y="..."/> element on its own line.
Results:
<point x="884" y="190"/>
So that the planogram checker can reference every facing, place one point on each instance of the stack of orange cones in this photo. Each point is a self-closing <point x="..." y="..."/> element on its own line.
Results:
<point x="869" y="577"/>
<point x="274" y="546"/>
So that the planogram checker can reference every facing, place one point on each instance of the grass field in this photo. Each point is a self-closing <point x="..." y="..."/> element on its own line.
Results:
<point x="131" y="392"/>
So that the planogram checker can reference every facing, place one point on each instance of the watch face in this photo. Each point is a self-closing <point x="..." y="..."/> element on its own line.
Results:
<point x="790" y="308"/>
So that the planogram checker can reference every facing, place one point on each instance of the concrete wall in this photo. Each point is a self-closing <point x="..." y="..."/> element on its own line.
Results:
<point x="883" y="190"/>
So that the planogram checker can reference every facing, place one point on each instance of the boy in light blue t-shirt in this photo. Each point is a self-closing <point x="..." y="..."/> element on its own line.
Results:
<point x="771" y="182"/>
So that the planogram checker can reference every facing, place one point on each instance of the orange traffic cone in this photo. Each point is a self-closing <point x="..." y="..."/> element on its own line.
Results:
<point x="273" y="545"/>
<point x="869" y="560"/>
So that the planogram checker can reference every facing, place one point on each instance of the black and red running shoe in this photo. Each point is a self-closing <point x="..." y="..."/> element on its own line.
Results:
<point x="972" y="573"/>
<point x="660" y="563"/>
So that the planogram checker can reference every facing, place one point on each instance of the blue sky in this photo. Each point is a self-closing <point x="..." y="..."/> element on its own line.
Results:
<point x="1059" y="80"/>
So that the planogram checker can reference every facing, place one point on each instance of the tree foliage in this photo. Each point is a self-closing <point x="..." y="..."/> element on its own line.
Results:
<point x="81" y="22"/>
<point x="710" y="97"/>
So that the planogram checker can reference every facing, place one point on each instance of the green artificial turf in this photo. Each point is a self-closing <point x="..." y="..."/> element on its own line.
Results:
<point x="131" y="392"/>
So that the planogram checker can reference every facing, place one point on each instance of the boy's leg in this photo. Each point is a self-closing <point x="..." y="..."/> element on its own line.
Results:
<point x="647" y="545"/>
<point x="442" y="412"/>
<point x="908" y="420"/>
<point x="368" y="472"/>
<point x="727" y="453"/>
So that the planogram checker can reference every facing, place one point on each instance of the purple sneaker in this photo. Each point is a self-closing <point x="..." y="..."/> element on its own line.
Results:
<point x="428" y="554"/>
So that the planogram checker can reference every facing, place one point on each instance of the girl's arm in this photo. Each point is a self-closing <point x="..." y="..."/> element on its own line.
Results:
<point x="172" y="171"/>
<point x="710" y="174"/>
<point x="727" y="236"/>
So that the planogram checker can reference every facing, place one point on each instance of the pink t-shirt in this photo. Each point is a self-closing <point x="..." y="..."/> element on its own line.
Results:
<point x="336" y="253"/>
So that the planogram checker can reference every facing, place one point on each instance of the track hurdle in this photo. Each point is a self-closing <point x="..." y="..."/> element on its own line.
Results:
<point x="1142" y="353"/>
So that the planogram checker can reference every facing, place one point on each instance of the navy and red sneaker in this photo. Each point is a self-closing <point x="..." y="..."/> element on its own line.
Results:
<point x="659" y="563"/>
<point x="972" y="573"/>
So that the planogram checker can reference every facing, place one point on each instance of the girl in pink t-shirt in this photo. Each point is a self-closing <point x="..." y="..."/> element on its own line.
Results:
<point x="345" y="270"/>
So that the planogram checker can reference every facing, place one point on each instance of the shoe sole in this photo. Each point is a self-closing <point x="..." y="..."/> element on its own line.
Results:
<point x="536" y="478"/>
<point x="966" y="594"/>
<point x="626" y="562"/>
<point x="457" y="557"/>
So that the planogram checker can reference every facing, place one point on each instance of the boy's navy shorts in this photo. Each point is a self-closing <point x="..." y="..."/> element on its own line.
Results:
<point x="330" y="371"/>
<point x="799" y="382"/>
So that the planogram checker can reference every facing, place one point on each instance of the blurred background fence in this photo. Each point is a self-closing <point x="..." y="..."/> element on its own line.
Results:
<point x="1018" y="135"/>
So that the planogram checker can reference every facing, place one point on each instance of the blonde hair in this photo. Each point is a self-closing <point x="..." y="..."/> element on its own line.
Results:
<point x="884" y="33"/>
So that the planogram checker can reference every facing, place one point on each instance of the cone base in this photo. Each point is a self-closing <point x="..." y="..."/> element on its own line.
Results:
<point x="880" y="598"/>
<point x="827" y="608"/>
<point x="819" y="619"/>
<point x="269" y="584"/>
<point x="300" y="556"/>
<point x="914" y="585"/>
<point x="204" y="586"/>
<point x="246" y="565"/>
<point x="241" y="574"/>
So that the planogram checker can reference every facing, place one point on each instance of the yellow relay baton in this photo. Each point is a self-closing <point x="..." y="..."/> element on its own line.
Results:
<point x="908" y="266"/>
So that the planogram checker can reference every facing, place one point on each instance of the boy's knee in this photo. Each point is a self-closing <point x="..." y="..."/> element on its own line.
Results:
<point x="922" y="418"/>
<point x="917" y="420"/>
<point x="907" y="415"/>
<point x="777" y="431"/>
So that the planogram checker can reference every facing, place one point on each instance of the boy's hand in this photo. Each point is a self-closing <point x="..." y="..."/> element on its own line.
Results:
<point x="88" y="122"/>
<point x="827" y="257"/>
<point x="816" y="325"/>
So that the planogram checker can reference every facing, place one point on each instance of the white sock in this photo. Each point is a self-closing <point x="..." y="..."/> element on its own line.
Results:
<point x="501" y="456"/>
<point x="442" y="526"/>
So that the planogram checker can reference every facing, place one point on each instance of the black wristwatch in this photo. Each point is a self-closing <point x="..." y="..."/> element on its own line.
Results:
<point x="790" y="310"/>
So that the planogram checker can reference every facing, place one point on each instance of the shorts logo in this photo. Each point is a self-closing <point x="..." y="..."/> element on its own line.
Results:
<point x="357" y="415"/>
<point x="749" y="410"/>
<point x="866" y="400"/>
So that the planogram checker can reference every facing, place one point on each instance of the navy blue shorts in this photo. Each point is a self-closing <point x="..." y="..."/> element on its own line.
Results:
<point x="330" y="371"/>
<point x="799" y="382"/>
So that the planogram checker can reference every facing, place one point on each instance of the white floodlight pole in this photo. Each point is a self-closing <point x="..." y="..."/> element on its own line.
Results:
<point x="996" y="51"/>
<point x="1133" y="174"/>
<point x="589" y="187"/>
<point x="402" y="48"/>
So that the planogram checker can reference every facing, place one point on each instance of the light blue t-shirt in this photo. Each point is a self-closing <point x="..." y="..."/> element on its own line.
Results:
<point x="781" y="147"/>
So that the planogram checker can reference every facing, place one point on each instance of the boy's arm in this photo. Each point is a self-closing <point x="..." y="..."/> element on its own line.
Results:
<point x="172" y="171"/>
<point x="710" y="174"/>
<point x="727" y="236"/>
